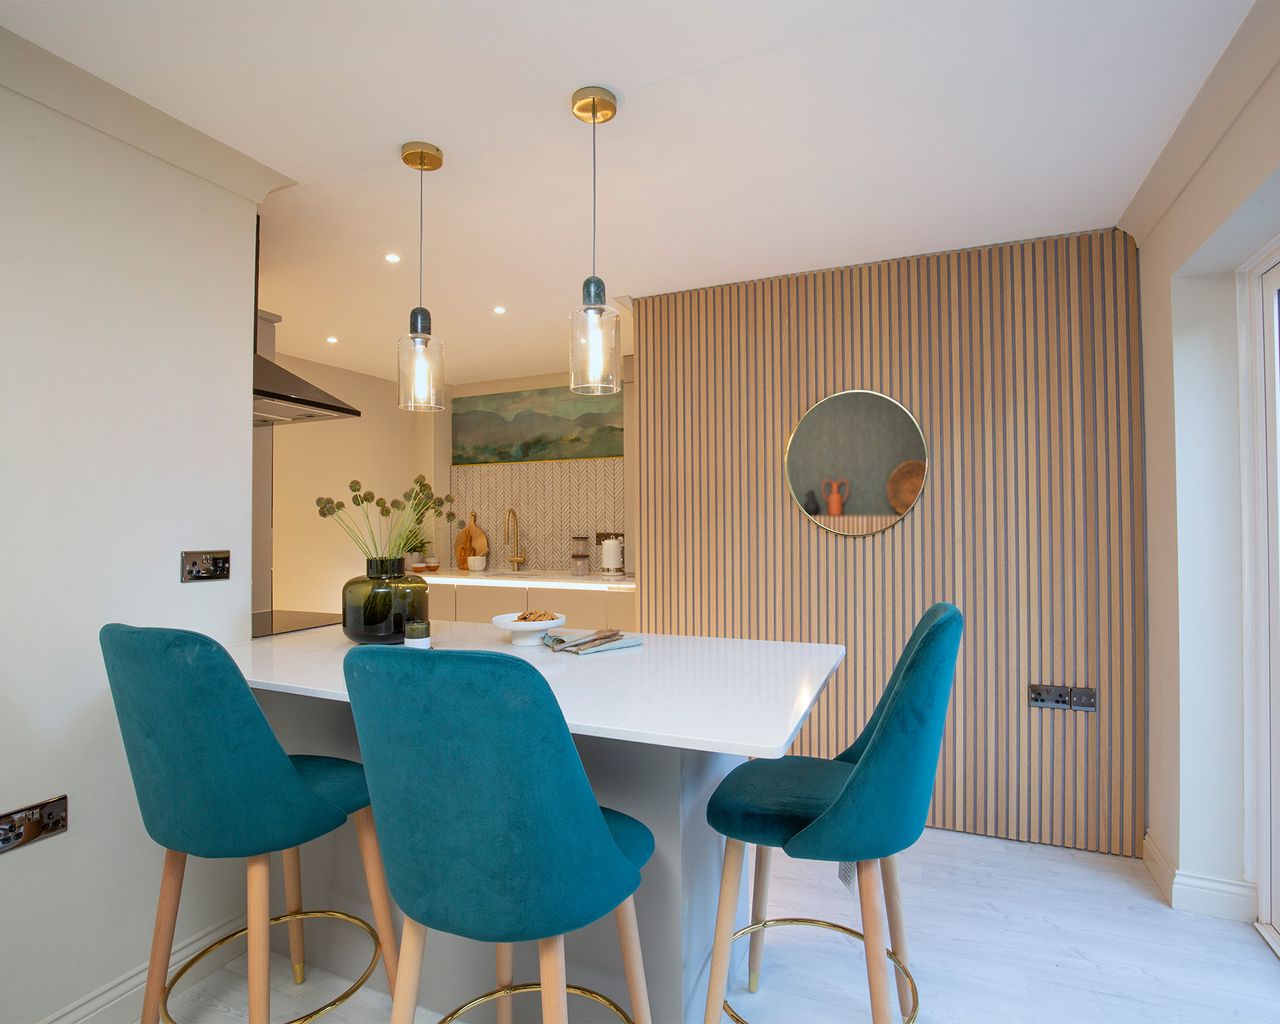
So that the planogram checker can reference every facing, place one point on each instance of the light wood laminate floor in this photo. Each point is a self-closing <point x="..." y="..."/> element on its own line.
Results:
<point x="999" y="932"/>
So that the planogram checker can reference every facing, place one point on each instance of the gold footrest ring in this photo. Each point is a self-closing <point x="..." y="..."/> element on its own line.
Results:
<point x="300" y="915"/>
<point x="515" y="990"/>
<point x="853" y="933"/>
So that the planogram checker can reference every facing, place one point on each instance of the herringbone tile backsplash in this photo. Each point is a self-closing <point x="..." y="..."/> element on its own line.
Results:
<point x="554" y="500"/>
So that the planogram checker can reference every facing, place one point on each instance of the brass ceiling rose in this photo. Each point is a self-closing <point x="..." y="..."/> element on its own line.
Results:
<point x="422" y="156"/>
<point x="606" y="104"/>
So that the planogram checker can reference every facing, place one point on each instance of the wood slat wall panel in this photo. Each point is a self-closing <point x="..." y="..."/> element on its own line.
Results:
<point x="1022" y="363"/>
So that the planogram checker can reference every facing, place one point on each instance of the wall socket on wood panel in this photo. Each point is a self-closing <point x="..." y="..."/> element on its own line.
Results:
<point x="1069" y="698"/>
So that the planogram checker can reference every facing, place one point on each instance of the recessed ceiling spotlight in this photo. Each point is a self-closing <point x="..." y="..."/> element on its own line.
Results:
<point x="392" y="257"/>
<point x="331" y="340"/>
<point x="499" y="309"/>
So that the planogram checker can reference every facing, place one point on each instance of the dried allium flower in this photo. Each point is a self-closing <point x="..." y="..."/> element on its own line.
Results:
<point x="355" y="486"/>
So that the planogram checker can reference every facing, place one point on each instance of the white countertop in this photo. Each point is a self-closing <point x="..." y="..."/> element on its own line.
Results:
<point x="746" y="697"/>
<point x="531" y="580"/>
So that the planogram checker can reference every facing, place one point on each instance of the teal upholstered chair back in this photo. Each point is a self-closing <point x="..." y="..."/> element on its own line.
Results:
<point x="922" y="628"/>
<point x="487" y="824"/>
<point x="885" y="803"/>
<point x="211" y="778"/>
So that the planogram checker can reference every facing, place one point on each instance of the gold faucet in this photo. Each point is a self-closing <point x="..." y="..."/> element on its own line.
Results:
<point x="514" y="558"/>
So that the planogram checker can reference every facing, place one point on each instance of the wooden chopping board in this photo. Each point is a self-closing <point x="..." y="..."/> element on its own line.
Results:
<point x="471" y="541"/>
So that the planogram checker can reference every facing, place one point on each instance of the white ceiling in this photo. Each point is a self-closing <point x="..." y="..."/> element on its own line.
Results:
<point x="752" y="139"/>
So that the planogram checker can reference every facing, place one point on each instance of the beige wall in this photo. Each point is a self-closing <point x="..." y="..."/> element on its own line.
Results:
<point x="1222" y="154"/>
<point x="1022" y="364"/>
<point x="126" y="296"/>
<point x="385" y="448"/>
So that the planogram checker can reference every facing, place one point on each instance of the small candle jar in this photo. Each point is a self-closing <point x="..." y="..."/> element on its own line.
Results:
<point x="417" y="633"/>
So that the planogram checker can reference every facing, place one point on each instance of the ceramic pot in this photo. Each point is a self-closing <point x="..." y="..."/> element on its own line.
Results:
<point x="831" y="490"/>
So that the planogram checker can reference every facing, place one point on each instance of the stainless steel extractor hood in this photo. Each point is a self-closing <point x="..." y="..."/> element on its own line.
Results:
<point x="283" y="397"/>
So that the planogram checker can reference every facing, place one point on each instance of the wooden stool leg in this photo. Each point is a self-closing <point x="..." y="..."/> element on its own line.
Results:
<point x="405" y="1003"/>
<point x="730" y="883"/>
<point x="376" y="879"/>
<point x="897" y="928"/>
<point x="292" y="904"/>
<point x="632" y="961"/>
<point x="258" y="884"/>
<point x="504" y="974"/>
<point x="759" y="911"/>
<point x="555" y="997"/>
<point x="175" y="864"/>
<point x="874" y="941"/>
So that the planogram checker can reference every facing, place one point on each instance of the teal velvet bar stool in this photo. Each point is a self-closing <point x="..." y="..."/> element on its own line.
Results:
<point x="864" y="806"/>
<point x="213" y="781"/>
<point x="487" y="822"/>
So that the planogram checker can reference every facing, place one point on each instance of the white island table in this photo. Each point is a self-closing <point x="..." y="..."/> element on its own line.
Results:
<point x="658" y="726"/>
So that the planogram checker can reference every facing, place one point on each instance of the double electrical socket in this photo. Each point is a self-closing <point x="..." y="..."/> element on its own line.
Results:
<point x="27" y="824"/>
<point x="1070" y="698"/>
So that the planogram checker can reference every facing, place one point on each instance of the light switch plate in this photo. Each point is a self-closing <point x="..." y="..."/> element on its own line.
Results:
<point x="1084" y="698"/>
<point x="202" y="566"/>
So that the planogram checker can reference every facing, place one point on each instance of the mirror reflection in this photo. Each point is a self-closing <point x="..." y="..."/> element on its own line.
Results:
<point x="856" y="462"/>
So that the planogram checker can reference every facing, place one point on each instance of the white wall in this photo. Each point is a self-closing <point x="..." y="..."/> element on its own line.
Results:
<point x="385" y="448"/>
<point x="126" y="297"/>
<point x="1221" y="156"/>
<point x="1211" y="763"/>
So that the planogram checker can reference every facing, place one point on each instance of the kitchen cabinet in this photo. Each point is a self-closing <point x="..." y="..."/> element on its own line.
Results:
<point x="621" y="609"/>
<point x="441" y="603"/>
<point x="583" y="609"/>
<point x="481" y="604"/>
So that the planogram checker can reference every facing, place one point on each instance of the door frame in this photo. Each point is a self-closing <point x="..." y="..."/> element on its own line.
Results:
<point x="1260" y="511"/>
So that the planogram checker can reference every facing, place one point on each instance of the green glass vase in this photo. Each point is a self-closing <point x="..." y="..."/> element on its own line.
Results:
<point x="376" y="606"/>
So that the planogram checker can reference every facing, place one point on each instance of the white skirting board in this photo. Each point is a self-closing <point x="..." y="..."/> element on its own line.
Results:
<point x="1199" y="894"/>
<point x="1270" y="936"/>
<point x="122" y="999"/>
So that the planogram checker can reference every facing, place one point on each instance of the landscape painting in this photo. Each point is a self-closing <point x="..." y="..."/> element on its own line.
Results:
<point x="536" y="426"/>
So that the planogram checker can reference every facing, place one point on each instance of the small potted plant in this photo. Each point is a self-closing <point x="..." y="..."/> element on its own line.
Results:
<point x="376" y="606"/>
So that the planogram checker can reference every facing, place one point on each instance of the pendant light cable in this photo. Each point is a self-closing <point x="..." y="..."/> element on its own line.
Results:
<point x="594" y="118"/>
<point x="421" y="273"/>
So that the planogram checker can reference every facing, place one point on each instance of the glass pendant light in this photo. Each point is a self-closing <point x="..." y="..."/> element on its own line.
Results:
<point x="420" y="357"/>
<point x="595" y="331"/>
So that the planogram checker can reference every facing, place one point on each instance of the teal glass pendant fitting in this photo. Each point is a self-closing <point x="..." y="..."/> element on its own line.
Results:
<point x="419" y="357"/>
<point x="595" y="335"/>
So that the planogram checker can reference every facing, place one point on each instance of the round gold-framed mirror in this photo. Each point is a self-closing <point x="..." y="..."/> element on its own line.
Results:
<point x="857" y="463"/>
